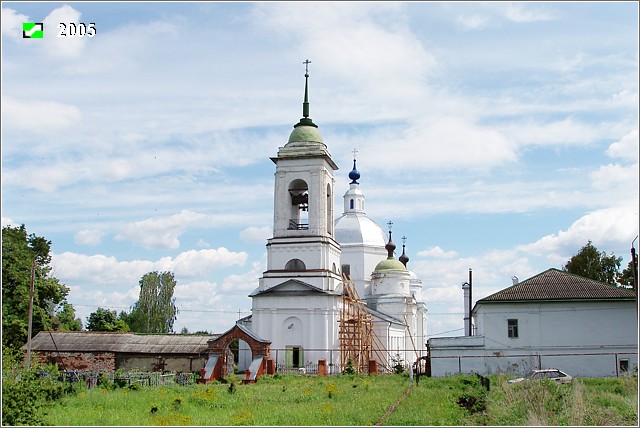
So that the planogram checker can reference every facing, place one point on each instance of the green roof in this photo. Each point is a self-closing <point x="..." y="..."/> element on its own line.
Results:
<point x="390" y="264"/>
<point x="302" y="134"/>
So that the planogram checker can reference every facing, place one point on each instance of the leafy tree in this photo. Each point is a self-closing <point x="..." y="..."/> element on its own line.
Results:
<point x="21" y="251"/>
<point x="590" y="263"/>
<point x="627" y="275"/>
<point x="106" y="320"/>
<point x="64" y="318"/>
<point x="155" y="311"/>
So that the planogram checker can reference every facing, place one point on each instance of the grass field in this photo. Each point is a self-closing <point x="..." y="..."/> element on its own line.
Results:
<point x="356" y="400"/>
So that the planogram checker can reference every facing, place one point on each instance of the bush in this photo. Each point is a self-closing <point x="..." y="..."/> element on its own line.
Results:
<point x="25" y="391"/>
<point x="398" y="364"/>
<point x="349" y="369"/>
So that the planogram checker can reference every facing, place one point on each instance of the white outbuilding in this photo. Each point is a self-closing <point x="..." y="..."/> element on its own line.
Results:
<point x="555" y="319"/>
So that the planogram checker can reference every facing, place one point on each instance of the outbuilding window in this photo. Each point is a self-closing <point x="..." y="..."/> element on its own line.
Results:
<point x="512" y="328"/>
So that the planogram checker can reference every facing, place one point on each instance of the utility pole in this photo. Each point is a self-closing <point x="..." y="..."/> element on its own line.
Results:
<point x="634" y="270"/>
<point x="30" y="312"/>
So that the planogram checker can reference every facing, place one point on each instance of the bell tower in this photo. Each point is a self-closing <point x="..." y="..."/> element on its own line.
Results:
<point x="303" y="246"/>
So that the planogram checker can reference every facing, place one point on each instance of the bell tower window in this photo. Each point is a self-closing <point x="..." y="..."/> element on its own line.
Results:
<point x="299" y="213"/>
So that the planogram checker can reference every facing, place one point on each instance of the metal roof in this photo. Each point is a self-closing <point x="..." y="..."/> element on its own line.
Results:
<point x="90" y="341"/>
<point x="354" y="228"/>
<point x="554" y="284"/>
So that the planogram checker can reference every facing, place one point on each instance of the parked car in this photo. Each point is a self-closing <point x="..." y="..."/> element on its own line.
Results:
<point x="551" y="374"/>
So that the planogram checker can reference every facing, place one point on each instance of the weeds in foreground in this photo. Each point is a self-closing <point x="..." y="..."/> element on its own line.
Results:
<point x="349" y="400"/>
<point x="602" y="402"/>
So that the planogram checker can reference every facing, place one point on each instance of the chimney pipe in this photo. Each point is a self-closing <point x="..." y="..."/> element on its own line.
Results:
<point x="515" y="280"/>
<point x="467" y="288"/>
<point x="470" y="304"/>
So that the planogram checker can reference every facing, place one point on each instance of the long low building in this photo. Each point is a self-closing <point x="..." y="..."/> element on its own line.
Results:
<point x="102" y="351"/>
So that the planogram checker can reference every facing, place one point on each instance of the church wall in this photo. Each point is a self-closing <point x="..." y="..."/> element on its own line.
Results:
<point x="313" y="323"/>
<point x="390" y="282"/>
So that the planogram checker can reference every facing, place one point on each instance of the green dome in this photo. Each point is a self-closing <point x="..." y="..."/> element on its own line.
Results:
<point x="305" y="134"/>
<point x="390" y="264"/>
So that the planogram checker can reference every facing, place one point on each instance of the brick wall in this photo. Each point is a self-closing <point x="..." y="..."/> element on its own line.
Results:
<point x="94" y="361"/>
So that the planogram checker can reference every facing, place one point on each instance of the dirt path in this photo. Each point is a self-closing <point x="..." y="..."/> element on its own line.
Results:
<point x="393" y="406"/>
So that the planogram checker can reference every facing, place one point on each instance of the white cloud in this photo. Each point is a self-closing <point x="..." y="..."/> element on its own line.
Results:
<point x="37" y="116"/>
<point x="6" y="221"/>
<point x="194" y="263"/>
<point x="162" y="232"/>
<point x="256" y="234"/>
<point x="605" y="228"/>
<point x="519" y="12"/>
<point x="438" y="253"/>
<point x="101" y="270"/>
<point x="610" y="176"/>
<point x="98" y="270"/>
<point x="346" y="40"/>
<point x="430" y="143"/>
<point x="62" y="47"/>
<point x="244" y="283"/>
<point x="472" y="22"/>
<point x="626" y="147"/>
<point x="12" y="23"/>
<point x="563" y="132"/>
<point x="90" y="237"/>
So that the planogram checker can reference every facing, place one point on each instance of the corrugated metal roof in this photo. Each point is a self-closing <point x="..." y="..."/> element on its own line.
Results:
<point x="89" y="341"/>
<point x="554" y="284"/>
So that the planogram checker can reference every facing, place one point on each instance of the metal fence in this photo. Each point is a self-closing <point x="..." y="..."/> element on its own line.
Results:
<point x="122" y="379"/>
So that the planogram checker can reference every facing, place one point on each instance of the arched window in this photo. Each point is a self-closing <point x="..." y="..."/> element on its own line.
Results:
<point x="299" y="214"/>
<point x="295" y="265"/>
<point x="351" y="204"/>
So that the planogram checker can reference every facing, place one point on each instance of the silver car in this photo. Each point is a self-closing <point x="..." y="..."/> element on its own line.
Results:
<point x="551" y="374"/>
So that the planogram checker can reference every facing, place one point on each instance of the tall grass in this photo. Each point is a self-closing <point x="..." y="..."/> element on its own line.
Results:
<point x="347" y="400"/>
<point x="603" y="402"/>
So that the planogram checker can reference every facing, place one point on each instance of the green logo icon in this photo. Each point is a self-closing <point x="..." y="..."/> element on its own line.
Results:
<point x="32" y="30"/>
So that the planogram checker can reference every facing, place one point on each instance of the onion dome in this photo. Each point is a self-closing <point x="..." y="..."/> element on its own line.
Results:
<point x="354" y="175"/>
<point x="390" y="263"/>
<point x="404" y="258"/>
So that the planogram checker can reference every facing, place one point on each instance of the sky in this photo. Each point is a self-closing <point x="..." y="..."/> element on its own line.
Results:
<point x="497" y="137"/>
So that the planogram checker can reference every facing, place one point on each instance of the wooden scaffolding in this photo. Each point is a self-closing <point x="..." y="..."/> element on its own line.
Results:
<point x="358" y="341"/>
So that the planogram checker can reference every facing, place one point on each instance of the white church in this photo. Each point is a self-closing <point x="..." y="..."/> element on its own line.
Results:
<point x="299" y="301"/>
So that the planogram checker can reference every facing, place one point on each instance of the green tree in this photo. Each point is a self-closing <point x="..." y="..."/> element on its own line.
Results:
<point x="21" y="251"/>
<point x="627" y="275"/>
<point x="591" y="263"/>
<point x="64" y="318"/>
<point x="106" y="320"/>
<point x="155" y="311"/>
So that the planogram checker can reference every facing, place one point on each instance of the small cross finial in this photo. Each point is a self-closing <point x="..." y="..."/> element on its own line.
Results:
<point x="306" y="66"/>
<point x="355" y="152"/>
<point x="404" y="240"/>
<point x="390" y="224"/>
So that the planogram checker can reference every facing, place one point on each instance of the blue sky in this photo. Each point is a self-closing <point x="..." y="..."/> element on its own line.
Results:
<point x="499" y="137"/>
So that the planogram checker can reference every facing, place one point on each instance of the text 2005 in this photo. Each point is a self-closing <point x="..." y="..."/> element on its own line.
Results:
<point x="77" y="30"/>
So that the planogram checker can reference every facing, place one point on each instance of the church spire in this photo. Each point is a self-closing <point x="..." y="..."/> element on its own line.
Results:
<point x="306" y="121"/>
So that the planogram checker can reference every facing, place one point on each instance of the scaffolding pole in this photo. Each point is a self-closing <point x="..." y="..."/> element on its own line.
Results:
<point x="358" y="341"/>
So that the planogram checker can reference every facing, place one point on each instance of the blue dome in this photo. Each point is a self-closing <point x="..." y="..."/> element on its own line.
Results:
<point x="354" y="175"/>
